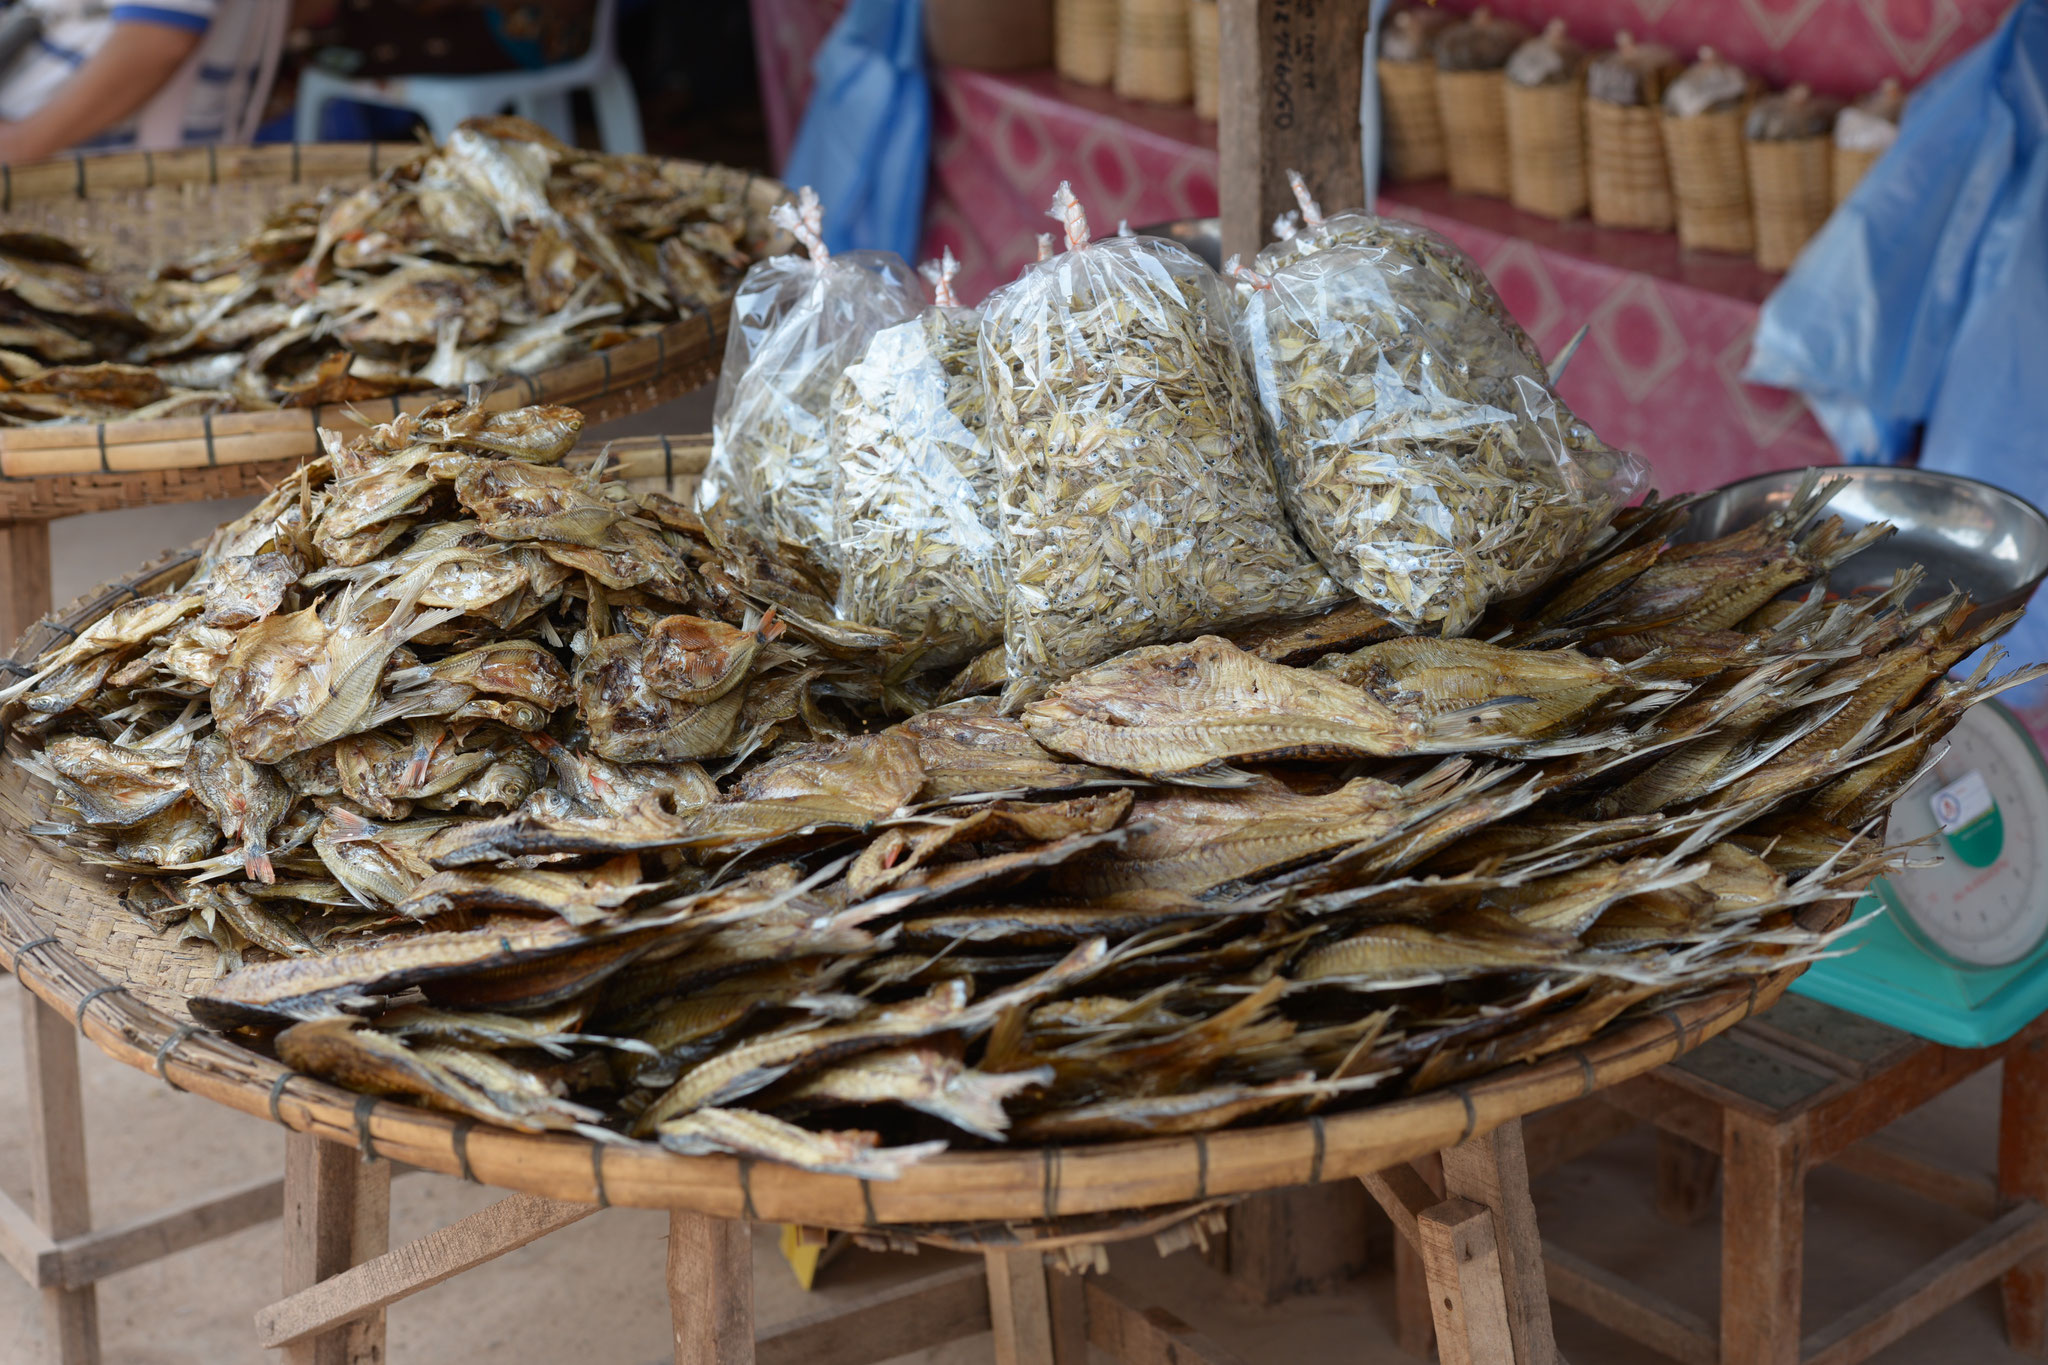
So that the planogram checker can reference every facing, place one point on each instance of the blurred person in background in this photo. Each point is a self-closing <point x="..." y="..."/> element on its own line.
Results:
<point x="89" y="75"/>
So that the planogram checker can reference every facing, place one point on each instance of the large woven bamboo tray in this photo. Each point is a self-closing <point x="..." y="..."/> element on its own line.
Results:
<point x="138" y="210"/>
<point x="65" y="936"/>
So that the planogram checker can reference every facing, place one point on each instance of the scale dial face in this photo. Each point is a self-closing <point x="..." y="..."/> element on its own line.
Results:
<point x="1985" y="904"/>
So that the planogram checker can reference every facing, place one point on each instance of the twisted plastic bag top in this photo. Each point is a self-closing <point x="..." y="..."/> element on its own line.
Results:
<point x="1137" y="506"/>
<point x="1483" y="42"/>
<point x="914" y="513"/>
<point x="1790" y="115"/>
<point x="1419" y="449"/>
<point x="797" y="322"/>
<point x="1412" y="33"/>
<point x="1550" y="58"/>
<point x="1305" y="231"/>
<point x="1708" y="86"/>
<point x="1871" y="124"/>
<point x="1633" y="74"/>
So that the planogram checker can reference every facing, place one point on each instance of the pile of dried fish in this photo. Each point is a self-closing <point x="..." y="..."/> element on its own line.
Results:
<point x="508" y="791"/>
<point x="798" y="323"/>
<point x="1418" y="446"/>
<point x="913" y="508"/>
<point x="1137" y="505"/>
<point x="504" y="252"/>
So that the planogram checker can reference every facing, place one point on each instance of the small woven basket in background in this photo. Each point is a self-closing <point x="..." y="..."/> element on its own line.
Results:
<point x="1547" y="148"/>
<point x="1473" y="107"/>
<point x="1152" y="61"/>
<point x="1628" y="181"/>
<point x="1205" y="56"/>
<point x="1848" y="166"/>
<point x="1709" y="181"/>
<point x="1411" y="126"/>
<point x="1084" y="40"/>
<point x="1793" y="193"/>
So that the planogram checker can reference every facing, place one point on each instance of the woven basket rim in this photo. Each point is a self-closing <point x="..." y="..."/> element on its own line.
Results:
<point x="689" y="348"/>
<point x="1027" y="1184"/>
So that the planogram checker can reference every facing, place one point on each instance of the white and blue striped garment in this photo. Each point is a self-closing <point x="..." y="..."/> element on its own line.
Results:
<point x="74" y="29"/>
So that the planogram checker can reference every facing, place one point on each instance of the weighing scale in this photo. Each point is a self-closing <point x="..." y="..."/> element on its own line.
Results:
<point x="1957" y="953"/>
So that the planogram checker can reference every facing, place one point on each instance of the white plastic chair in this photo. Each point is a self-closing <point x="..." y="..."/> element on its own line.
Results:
<point x="541" y="95"/>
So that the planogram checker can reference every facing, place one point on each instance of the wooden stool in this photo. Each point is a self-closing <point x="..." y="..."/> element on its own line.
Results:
<point x="1479" y="1247"/>
<point x="340" y="1277"/>
<point x="1773" y="1098"/>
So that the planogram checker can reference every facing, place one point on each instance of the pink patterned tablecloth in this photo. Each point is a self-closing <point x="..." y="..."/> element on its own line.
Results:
<point x="1670" y="330"/>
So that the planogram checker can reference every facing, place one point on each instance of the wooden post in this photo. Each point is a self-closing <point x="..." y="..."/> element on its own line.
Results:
<point x="24" y="576"/>
<point x="1492" y="1171"/>
<point x="1467" y="1284"/>
<point x="2023" y="1174"/>
<point x="1019" y="1307"/>
<point x="1289" y="93"/>
<point x="337" y="1212"/>
<point x="711" y="1289"/>
<point x="1301" y="1240"/>
<point x="1414" y="1320"/>
<point x="56" y="1146"/>
<point x="1686" y="1177"/>
<point x="1763" y="1216"/>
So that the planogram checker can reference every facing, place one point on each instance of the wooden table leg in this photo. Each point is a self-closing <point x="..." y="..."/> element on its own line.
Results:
<point x="1686" y="1177"/>
<point x="711" y="1289"/>
<point x="1019" y="1307"/>
<point x="1763" y="1220"/>
<point x="24" y="576"/>
<point x="56" y="1146"/>
<point x="2023" y="1174"/>
<point x="1414" y="1322"/>
<point x="337" y="1213"/>
<point x="1493" y="1172"/>
<point x="1467" y="1290"/>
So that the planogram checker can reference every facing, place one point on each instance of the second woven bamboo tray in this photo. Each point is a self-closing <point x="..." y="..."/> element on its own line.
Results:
<point x="137" y="210"/>
<point x="65" y="936"/>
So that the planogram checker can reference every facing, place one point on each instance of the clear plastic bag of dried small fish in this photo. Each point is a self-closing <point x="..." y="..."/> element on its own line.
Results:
<point x="797" y="322"/>
<point x="1419" y="448"/>
<point x="1136" y="503"/>
<point x="914" y="512"/>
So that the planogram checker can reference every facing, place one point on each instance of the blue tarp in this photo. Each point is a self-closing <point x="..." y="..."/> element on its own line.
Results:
<point x="866" y="136"/>
<point x="1921" y="309"/>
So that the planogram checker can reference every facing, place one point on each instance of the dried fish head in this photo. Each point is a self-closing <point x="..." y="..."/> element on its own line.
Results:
<point x="243" y="589"/>
<point x="632" y="723"/>
<point x="691" y="659"/>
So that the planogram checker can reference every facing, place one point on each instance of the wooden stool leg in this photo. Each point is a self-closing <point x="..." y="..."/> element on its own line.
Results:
<point x="1414" y="1322"/>
<point x="1019" y="1307"/>
<point x="1763" y="1220"/>
<point x="711" y="1289"/>
<point x="1493" y="1172"/>
<point x="2023" y="1174"/>
<point x="337" y="1214"/>
<point x="24" y="576"/>
<point x="1467" y="1284"/>
<point x="56" y="1145"/>
<point x="1686" y="1177"/>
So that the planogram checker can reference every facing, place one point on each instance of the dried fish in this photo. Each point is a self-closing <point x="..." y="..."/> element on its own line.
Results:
<point x="1419" y="448"/>
<point x="1136" y="503"/>
<point x="914" y="507"/>
<point x="798" y="322"/>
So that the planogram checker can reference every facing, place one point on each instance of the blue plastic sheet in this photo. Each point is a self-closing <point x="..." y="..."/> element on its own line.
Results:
<point x="1921" y="309"/>
<point x="866" y="135"/>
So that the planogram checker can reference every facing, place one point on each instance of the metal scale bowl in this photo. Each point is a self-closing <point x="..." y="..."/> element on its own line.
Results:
<point x="1960" y="954"/>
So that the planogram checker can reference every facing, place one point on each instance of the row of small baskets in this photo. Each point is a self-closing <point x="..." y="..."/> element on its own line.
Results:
<point x="1161" y="51"/>
<point x="1553" y="150"/>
